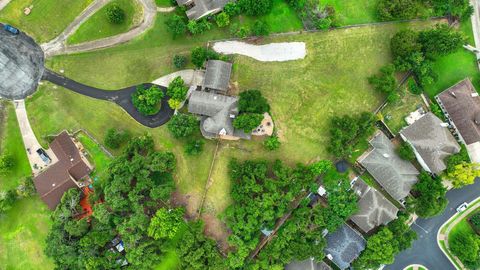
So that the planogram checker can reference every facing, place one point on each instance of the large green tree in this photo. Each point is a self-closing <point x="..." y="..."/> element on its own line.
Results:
<point x="430" y="197"/>
<point x="182" y="125"/>
<point x="147" y="100"/>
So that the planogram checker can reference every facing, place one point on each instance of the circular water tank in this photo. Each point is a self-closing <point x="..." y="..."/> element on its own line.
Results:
<point x="21" y="65"/>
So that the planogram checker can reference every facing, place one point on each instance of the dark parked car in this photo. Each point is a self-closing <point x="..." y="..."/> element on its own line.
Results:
<point x="11" y="29"/>
<point x="44" y="156"/>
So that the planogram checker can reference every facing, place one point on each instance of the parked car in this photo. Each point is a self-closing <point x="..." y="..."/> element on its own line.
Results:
<point x="11" y="29"/>
<point x="462" y="207"/>
<point x="44" y="156"/>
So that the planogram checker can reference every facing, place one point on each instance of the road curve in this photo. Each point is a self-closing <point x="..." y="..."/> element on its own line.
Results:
<point x="122" y="97"/>
<point x="425" y="250"/>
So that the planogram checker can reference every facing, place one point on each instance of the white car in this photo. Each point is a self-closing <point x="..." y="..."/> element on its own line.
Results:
<point x="462" y="207"/>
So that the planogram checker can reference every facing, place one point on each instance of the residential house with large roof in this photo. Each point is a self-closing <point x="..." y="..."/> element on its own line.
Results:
<point x="217" y="114"/>
<point x="395" y="175"/>
<point x="432" y="142"/>
<point x="71" y="169"/>
<point x="461" y="106"/>
<point x="217" y="76"/>
<point x="197" y="9"/>
<point x="344" y="246"/>
<point x="373" y="208"/>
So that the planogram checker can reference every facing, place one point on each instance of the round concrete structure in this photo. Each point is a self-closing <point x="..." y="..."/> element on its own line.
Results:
<point x="21" y="65"/>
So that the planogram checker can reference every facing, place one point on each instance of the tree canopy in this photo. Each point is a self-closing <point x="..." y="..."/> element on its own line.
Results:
<point x="430" y="197"/>
<point x="182" y="125"/>
<point x="147" y="100"/>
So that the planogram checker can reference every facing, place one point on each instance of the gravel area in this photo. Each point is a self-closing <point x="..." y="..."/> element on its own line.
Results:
<point x="273" y="52"/>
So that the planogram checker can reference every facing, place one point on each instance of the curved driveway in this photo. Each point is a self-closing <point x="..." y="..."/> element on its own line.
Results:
<point x="121" y="97"/>
<point x="425" y="249"/>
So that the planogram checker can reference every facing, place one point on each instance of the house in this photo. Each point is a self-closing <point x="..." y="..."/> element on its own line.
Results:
<point x="217" y="76"/>
<point x="461" y="105"/>
<point x="373" y="208"/>
<point x="70" y="171"/>
<point x="431" y="141"/>
<point x="308" y="264"/>
<point x="197" y="9"/>
<point x="395" y="175"/>
<point x="217" y="113"/>
<point x="344" y="246"/>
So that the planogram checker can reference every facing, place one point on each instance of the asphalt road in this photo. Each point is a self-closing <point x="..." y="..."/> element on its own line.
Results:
<point x="425" y="250"/>
<point x="121" y="97"/>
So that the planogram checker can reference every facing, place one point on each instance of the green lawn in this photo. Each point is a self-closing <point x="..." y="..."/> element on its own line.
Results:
<point x="52" y="110"/>
<point x="12" y="143"/>
<point x="98" y="26"/>
<point x="48" y="18"/>
<point x="100" y="159"/>
<point x="163" y="3"/>
<point x="22" y="238"/>
<point x="353" y="11"/>
<point x="456" y="67"/>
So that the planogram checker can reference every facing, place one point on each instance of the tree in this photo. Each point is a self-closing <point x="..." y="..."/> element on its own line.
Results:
<point x="385" y="82"/>
<point x="166" y="223"/>
<point x="256" y="7"/>
<point x="6" y="162"/>
<point x="177" y="89"/>
<point x="397" y="9"/>
<point x="459" y="9"/>
<point x="440" y="40"/>
<point x="222" y="19"/>
<point x="321" y="167"/>
<point x="247" y="121"/>
<point x="465" y="246"/>
<point x="405" y="151"/>
<point x="179" y="61"/>
<point x="380" y="250"/>
<point x="458" y="158"/>
<point x="252" y="101"/>
<point x="232" y="9"/>
<point x="271" y="143"/>
<point x="201" y="54"/>
<point x="147" y="100"/>
<point x="115" y="138"/>
<point x="404" y="46"/>
<point x="182" y="125"/>
<point x="464" y="174"/>
<point x="260" y="28"/>
<point x="194" y="147"/>
<point x="115" y="14"/>
<point x="198" y="27"/>
<point x="26" y="187"/>
<point x="430" y="199"/>
<point x="76" y="228"/>
<point x="176" y="25"/>
<point x="7" y="199"/>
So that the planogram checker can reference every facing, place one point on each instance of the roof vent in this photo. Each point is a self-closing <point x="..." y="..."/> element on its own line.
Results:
<point x="53" y="184"/>
<point x="214" y="97"/>
<point x="71" y="159"/>
<point x="452" y="94"/>
<point x="386" y="155"/>
<point x="475" y="94"/>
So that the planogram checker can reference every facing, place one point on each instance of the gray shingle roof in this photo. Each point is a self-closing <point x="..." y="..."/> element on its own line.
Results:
<point x="462" y="104"/>
<point x="308" y="264"/>
<point x="432" y="142"/>
<point x="394" y="174"/>
<point x="344" y="245"/>
<point x="217" y="76"/>
<point x="203" y="8"/>
<point x="374" y="208"/>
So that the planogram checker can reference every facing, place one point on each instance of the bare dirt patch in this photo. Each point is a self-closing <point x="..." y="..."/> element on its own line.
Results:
<point x="217" y="230"/>
<point x="191" y="202"/>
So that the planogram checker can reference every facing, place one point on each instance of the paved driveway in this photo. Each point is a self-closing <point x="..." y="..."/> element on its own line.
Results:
<point x="425" y="250"/>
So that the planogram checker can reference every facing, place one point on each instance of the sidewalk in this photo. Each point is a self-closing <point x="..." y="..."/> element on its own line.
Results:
<point x="30" y="141"/>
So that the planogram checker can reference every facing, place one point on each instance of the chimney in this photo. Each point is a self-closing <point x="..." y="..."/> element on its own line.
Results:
<point x="453" y="94"/>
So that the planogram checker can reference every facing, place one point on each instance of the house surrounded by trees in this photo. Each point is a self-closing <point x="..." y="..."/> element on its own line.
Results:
<point x="461" y="106"/>
<point x="344" y="246"/>
<point x="198" y="9"/>
<point x="70" y="171"/>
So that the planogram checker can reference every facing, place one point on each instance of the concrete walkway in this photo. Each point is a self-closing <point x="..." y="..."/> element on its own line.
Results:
<point x="476" y="26"/>
<point x="273" y="52"/>
<point x="165" y="9"/>
<point x="30" y="141"/>
<point x="190" y="76"/>
<point x="4" y="3"/>
<point x="58" y="45"/>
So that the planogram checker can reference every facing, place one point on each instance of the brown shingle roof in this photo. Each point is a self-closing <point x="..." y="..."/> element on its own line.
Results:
<point x="57" y="179"/>
<point x="462" y="104"/>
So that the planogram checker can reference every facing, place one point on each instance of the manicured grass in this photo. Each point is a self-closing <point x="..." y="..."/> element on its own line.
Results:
<point x="164" y="3"/>
<point x="52" y="110"/>
<point x="456" y="67"/>
<point x="23" y="232"/>
<point x="11" y="142"/>
<point x="98" y="26"/>
<point x="47" y="19"/>
<point x="354" y="11"/>
<point x="282" y="18"/>
<point x="394" y="114"/>
<point x="99" y="158"/>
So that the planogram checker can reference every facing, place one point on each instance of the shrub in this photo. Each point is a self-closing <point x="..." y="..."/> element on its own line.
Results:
<point x="252" y="101"/>
<point x="414" y="88"/>
<point x="6" y="163"/>
<point x="194" y="147"/>
<point x="256" y="7"/>
<point x="385" y="82"/>
<point x="260" y="28"/>
<point x="177" y="91"/>
<point x="397" y="9"/>
<point x="179" y="61"/>
<point x="457" y="159"/>
<point x="182" y="125"/>
<point x="465" y="246"/>
<point x="475" y="221"/>
<point x="222" y="19"/>
<point x="247" y="122"/>
<point x="405" y="151"/>
<point x="440" y="40"/>
<point x="176" y="25"/>
<point x="115" y="14"/>
<point x="232" y="9"/>
<point x="435" y="108"/>
<point x="272" y="143"/>
<point x="114" y="138"/>
<point x="7" y="199"/>
<point x="198" y="27"/>
<point x="430" y="199"/>
<point x="147" y="101"/>
<point x="201" y="54"/>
